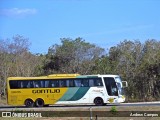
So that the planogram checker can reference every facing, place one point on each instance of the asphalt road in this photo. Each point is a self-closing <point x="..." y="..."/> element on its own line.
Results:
<point x="9" y="108"/>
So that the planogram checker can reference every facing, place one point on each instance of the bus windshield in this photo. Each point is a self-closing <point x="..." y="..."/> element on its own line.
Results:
<point x="119" y="85"/>
<point x="111" y="86"/>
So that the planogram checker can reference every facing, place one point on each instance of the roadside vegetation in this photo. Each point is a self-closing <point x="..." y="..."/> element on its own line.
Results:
<point x="101" y="110"/>
<point x="137" y="63"/>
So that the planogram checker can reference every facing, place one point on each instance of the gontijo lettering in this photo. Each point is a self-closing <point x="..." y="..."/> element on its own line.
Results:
<point x="46" y="91"/>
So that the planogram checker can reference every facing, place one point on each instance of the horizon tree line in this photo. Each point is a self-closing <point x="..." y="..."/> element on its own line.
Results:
<point x="137" y="63"/>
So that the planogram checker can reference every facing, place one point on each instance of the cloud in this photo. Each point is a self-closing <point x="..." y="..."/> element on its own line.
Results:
<point x="17" y="12"/>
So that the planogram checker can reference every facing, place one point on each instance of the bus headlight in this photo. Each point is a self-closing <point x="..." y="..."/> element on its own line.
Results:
<point x="123" y="97"/>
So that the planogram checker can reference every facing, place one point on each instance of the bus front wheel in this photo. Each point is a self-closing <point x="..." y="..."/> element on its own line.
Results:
<point x="39" y="102"/>
<point x="29" y="103"/>
<point x="98" y="101"/>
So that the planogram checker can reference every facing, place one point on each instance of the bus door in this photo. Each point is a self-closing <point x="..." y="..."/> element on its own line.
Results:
<point x="111" y="88"/>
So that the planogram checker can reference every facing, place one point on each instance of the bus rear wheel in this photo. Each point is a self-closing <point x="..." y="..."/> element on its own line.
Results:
<point x="98" y="101"/>
<point x="29" y="103"/>
<point x="39" y="102"/>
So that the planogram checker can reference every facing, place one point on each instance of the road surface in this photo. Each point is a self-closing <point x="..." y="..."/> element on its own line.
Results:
<point x="9" y="108"/>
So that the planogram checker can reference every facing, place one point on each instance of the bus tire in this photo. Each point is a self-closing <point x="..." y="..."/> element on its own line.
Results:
<point x="29" y="103"/>
<point x="39" y="102"/>
<point x="98" y="101"/>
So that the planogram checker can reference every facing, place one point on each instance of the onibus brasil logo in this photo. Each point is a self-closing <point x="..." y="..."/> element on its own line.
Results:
<point x="21" y="114"/>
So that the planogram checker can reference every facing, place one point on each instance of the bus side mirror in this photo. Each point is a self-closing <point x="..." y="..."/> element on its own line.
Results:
<point x="124" y="84"/>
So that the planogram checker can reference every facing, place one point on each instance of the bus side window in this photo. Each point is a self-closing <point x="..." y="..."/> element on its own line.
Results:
<point x="63" y="83"/>
<point x="49" y="83"/>
<point x="31" y="84"/>
<point x="91" y="82"/>
<point x="42" y="83"/>
<point x="77" y="83"/>
<point x="85" y="82"/>
<point x="71" y="83"/>
<point x="53" y="83"/>
<point x="46" y="83"/>
<point x="13" y="84"/>
<point x="21" y="84"/>
<point x="28" y="85"/>
<point x="25" y="84"/>
<point x="68" y="83"/>
<point x="36" y="85"/>
<point x="98" y="82"/>
<point x="56" y="82"/>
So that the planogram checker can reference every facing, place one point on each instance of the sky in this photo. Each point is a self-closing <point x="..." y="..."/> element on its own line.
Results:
<point x="105" y="23"/>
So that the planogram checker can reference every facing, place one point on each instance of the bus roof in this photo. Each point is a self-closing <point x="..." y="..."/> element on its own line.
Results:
<point x="63" y="75"/>
<point x="98" y="75"/>
<point x="56" y="76"/>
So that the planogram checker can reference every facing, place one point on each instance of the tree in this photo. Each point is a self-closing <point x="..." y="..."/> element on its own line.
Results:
<point x="72" y="56"/>
<point x="16" y="60"/>
<point x="138" y="64"/>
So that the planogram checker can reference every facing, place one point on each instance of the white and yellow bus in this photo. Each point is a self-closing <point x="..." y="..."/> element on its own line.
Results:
<point x="65" y="89"/>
